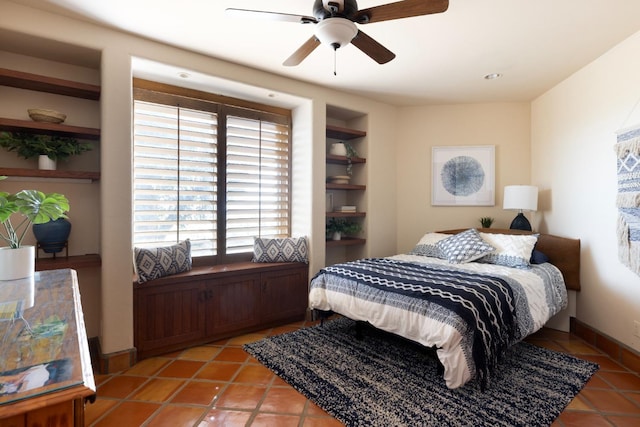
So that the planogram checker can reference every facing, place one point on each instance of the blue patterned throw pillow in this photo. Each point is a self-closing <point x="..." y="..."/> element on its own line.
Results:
<point x="464" y="247"/>
<point x="153" y="263"/>
<point x="289" y="249"/>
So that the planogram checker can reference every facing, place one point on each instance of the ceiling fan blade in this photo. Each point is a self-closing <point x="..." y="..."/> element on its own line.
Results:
<point x="400" y="9"/>
<point x="372" y="48"/>
<point x="270" y="16"/>
<point x="303" y="51"/>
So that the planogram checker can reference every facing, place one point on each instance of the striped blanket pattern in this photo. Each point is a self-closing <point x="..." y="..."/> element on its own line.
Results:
<point x="484" y="303"/>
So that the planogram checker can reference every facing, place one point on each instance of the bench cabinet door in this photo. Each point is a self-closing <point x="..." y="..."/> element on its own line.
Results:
<point x="284" y="295"/>
<point x="232" y="304"/>
<point x="168" y="316"/>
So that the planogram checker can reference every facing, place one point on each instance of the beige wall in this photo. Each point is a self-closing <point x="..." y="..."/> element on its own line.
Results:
<point x="573" y="133"/>
<point x="506" y="126"/>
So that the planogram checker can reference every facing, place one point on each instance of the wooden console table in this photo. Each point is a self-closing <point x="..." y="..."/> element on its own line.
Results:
<point x="45" y="368"/>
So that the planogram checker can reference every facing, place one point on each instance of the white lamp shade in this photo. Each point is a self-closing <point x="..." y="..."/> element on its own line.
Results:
<point x="335" y="32"/>
<point x="521" y="197"/>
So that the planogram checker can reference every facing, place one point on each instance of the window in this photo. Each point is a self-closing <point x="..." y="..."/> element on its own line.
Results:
<point x="214" y="173"/>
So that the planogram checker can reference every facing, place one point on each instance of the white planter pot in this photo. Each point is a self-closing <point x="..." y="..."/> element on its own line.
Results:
<point x="17" y="263"/>
<point x="336" y="235"/>
<point x="45" y="163"/>
<point x="338" y="149"/>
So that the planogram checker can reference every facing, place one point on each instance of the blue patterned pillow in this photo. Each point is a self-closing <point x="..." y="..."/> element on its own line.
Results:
<point x="289" y="249"/>
<point x="153" y="263"/>
<point x="464" y="247"/>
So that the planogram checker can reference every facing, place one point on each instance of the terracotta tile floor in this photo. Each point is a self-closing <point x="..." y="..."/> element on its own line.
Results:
<point x="220" y="385"/>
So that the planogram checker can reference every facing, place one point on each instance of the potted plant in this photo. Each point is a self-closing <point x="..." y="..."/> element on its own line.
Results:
<point x="337" y="227"/>
<point x="344" y="148"/>
<point x="35" y="207"/>
<point x="46" y="147"/>
<point x="486" y="221"/>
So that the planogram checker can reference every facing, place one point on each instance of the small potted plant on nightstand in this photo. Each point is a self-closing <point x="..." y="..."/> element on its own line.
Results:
<point x="18" y="261"/>
<point x="486" y="221"/>
<point x="339" y="227"/>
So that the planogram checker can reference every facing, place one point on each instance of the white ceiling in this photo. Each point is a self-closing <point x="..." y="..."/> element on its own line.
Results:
<point x="440" y="58"/>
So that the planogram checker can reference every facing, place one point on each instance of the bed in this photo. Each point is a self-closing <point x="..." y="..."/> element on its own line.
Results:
<point x="467" y="293"/>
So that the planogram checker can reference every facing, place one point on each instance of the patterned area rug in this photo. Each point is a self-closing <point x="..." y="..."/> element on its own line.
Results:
<point x="384" y="380"/>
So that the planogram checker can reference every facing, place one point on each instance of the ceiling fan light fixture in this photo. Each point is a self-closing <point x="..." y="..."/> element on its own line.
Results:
<point x="335" y="32"/>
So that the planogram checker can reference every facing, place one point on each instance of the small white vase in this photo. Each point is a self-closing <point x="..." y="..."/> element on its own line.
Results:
<point x="336" y="235"/>
<point x="338" y="149"/>
<point x="45" y="163"/>
<point x="17" y="263"/>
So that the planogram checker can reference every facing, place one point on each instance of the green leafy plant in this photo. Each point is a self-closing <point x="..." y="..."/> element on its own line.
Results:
<point x="486" y="221"/>
<point x="55" y="147"/>
<point x="342" y="226"/>
<point x="351" y="152"/>
<point x="34" y="206"/>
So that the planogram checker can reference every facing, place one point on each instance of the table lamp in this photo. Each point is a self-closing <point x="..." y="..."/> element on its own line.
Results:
<point x="520" y="198"/>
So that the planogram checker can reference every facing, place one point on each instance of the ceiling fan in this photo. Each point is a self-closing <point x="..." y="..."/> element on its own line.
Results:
<point x="336" y="24"/>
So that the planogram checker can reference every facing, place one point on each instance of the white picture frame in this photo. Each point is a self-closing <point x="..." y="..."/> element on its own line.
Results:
<point x="463" y="175"/>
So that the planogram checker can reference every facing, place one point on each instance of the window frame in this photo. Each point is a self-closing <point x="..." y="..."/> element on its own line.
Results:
<point x="153" y="92"/>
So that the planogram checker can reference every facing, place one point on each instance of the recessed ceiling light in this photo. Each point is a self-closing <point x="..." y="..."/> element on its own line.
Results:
<point x="184" y="75"/>
<point x="492" y="76"/>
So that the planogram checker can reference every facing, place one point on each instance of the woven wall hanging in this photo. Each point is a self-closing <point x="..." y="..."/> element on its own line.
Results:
<point x="628" y="200"/>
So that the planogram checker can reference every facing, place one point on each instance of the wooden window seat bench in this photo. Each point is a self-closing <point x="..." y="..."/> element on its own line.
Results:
<point x="210" y="303"/>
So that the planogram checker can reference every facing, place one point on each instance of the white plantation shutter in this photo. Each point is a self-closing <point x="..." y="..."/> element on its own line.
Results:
<point x="174" y="177"/>
<point x="257" y="174"/>
<point x="215" y="174"/>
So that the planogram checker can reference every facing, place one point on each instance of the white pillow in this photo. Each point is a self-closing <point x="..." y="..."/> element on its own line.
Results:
<point x="464" y="247"/>
<point x="512" y="250"/>
<point x="427" y="245"/>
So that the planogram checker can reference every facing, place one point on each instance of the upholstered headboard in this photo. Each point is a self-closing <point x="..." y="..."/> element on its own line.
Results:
<point x="563" y="252"/>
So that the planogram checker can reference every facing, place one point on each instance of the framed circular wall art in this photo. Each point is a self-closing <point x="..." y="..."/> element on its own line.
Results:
<point x="463" y="176"/>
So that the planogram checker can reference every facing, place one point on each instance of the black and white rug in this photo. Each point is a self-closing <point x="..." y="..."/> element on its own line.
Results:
<point x="384" y="380"/>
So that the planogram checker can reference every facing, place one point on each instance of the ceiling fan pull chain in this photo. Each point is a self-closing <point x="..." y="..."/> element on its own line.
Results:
<point x="334" y="62"/>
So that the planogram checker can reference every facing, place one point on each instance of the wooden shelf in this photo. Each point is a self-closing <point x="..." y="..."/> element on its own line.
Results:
<point x="346" y="214"/>
<point x="345" y="187"/>
<point x="75" y="262"/>
<point x="344" y="134"/>
<point x="40" y="83"/>
<point x="38" y="173"/>
<point x="342" y="160"/>
<point x="336" y="132"/>
<point x="346" y="241"/>
<point x="14" y="125"/>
